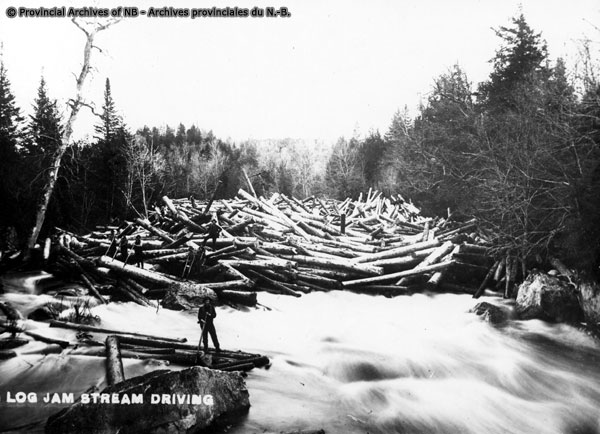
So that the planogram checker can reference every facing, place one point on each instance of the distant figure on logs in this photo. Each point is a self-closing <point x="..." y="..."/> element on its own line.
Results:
<point x="194" y="262"/>
<point x="124" y="249"/>
<point x="213" y="232"/>
<point x="206" y="315"/>
<point x="138" y="252"/>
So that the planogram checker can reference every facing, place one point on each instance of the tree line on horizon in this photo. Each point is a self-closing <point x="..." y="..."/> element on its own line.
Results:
<point x="519" y="151"/>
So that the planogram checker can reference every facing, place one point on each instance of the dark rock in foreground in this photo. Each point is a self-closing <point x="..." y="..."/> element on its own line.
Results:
<point x="198" y="397"/>
<point x="548" y="298"/>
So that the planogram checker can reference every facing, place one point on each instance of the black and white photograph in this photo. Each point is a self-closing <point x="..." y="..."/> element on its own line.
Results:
<point x="304" y="217"/>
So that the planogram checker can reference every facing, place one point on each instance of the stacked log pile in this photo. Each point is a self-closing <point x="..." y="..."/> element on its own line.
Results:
<point x="375" y="244"/>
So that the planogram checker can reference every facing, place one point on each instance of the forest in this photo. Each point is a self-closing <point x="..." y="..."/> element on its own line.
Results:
<point x="520" y="152"/>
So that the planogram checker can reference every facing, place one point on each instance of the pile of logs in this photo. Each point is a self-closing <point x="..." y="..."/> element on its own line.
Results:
<point x="375" y="244"/>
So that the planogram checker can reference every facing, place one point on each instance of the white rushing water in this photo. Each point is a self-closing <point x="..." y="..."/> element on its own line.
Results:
<point x="353" y="363"/>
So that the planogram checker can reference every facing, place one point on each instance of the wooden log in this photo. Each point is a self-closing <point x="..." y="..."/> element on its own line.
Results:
<point x="238" y="355"/>
<point x="212" y="197"/>
<point x="336" y="263"/>
<point x="475" y="259"/>
<point x="92" y="287"/>
<point x="486" y="280"/>
<point x="500" y="270"/>
<point x="148" y="350"/>
<point x="431" y="259"/>
<point x="167" y="259"/>
<point x="86" y="264"/>
<point x="305" y="286"/>
<point x="243" y="366"/>
<point x="394" y="276"/>
<point x="132" y="294"/>
<point x="47" y="340"/>
<point x="240" y="226"/>
<point x="88" y="328"/>
<point x="510" y="275"/>
<point x="274" y="263"/>
<point x="447" y="234"/>
<point x="180" y="216"/>
<point x="178" y="242"/>
<point x="396" y="252"/>
<point x="239" y="297"/>
<point x="275" y="212"/>
<point x="390" y="290"/>
<point x="321" y="281"/>
<point x="114" y="364"/>
<point x="474" y="248"/>
<point x="150" y="254"/>
<point x="410" y="259"/>
<point x="139" y="289"/>
<point x="340" y="252"/>
<point x="264" y="219"/>
<point x="153" y="276"/>
<point x="155" y="231"/>
<point x="331" y="274"/>
<point x="250" y="187"/>
<point x="280" y="286"/>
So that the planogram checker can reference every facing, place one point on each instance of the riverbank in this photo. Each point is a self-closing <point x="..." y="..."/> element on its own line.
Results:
<point x="419" y="363"/>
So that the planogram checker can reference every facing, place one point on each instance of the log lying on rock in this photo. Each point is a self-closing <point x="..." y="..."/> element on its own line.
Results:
<point x="197" y="398"/>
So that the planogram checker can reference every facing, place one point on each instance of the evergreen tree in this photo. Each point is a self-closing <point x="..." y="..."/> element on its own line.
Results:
<point x="373" y="150"/>
<point x="111" y="170"/>
<point x="45" y="130"/>
<point x="44" y="137"/>
<point x="10" y="138"/>
<point x="520" y="61"/>
<point x="111" y="123"/>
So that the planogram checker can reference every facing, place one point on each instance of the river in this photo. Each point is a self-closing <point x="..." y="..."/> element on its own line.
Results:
<point x="350" y="363"/>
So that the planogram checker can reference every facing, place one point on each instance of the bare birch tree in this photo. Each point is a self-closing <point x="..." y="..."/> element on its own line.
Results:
<point x="90" y="30"/>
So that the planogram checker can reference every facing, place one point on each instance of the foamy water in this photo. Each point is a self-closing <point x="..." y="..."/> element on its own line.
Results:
<point x="353" y="363"/>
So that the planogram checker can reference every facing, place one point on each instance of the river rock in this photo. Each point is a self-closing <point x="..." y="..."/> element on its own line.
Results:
<point x="186" y="296"/>
<point x="549" y="298"/>
<point x="229" y="399"/>
<point x="589" y="297"/>
<point x="490" y="313"/>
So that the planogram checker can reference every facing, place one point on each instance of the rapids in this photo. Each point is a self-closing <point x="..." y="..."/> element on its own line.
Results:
<point x="348" y="363"/>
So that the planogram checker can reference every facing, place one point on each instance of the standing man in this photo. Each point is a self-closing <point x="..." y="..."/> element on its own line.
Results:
<point x="213" y="232"/>
<point x="206" y="315"/>
<point x="124" y="249"/>
<point x="138" y="252"/>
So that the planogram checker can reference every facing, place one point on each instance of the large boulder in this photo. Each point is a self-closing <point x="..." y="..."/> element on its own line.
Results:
<point x="589" y="297"/>
<point x="172" y="402"/>
<point x="186" y="296"/>
<point x="549" y="298"/>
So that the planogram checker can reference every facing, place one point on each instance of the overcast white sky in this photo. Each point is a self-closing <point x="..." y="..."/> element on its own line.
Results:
<point x="333" y="66"/>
